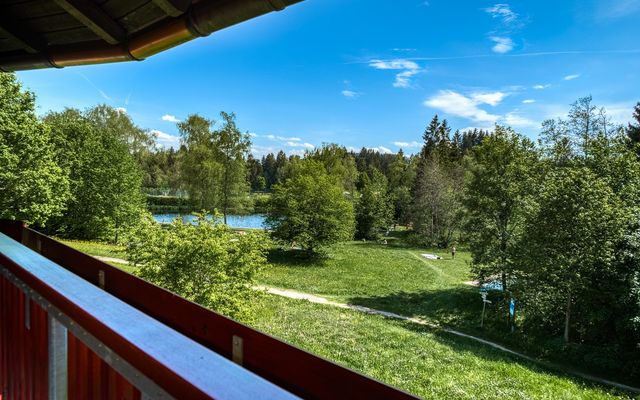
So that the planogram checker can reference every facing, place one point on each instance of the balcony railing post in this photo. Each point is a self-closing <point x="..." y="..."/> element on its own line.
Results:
<point x="57" y="360"/>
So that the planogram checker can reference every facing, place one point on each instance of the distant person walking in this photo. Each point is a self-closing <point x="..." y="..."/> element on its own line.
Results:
<point x="453" y="251"/>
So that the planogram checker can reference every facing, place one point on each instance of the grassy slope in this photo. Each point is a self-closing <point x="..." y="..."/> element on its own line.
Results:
<point x="419" y="360"/>
<point x="385" y="277"/>
<point x="413" y="358"/>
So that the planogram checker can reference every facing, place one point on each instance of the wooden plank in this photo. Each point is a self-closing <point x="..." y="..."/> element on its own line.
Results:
<point x="173" y="8"/>
<point x="296" y="370"/>
<point x="171" y="360"/>
<point x="10" y="27"/>
<point x="142" y="17"/>
<point x="94" y="18"/>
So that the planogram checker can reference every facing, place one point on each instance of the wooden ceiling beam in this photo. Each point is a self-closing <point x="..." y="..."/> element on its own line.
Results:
<point x="95" y="18"/>
<point x="10" y="27"/>
<point x="173" y="8"/>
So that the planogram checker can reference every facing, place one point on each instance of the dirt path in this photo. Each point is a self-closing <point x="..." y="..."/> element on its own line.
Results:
<point x="293" y="294"/>
<point x="112" y="259"/>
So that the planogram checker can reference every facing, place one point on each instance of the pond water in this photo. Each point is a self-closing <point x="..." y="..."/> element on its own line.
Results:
<point x="251" y="221"/>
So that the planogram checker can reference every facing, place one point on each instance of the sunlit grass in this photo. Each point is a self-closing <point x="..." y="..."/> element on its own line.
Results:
<point x="427" y="363"/>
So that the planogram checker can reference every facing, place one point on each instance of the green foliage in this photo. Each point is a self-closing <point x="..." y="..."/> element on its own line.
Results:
<point x="586" y="220"/>
<point x="499" y="190"/>
<point x="33" y="186"/>
<point x="338" y="162"/>
<point x="213" y="166"/>
<point x="94" y="149"/>
<point x="373" y="209"/>
<point x="205" y="262"/>
<point x="310" y="209"/>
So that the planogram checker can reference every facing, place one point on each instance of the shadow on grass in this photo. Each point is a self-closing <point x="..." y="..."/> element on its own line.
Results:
<point x="295" y="258"/>
<point x="460" y="308"/>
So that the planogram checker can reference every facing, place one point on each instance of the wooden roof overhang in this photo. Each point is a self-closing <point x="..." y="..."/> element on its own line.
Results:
<point x="60" y="33"/>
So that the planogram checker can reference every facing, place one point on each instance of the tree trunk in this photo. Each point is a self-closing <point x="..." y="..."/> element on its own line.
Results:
<point x="567" y="319"/>
<point x="503" y="278"/>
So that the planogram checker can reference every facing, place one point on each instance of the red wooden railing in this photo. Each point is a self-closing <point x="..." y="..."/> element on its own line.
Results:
<point x="91" y="345"/>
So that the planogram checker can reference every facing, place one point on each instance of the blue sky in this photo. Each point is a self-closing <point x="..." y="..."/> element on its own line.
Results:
<point x="373" y="73"/>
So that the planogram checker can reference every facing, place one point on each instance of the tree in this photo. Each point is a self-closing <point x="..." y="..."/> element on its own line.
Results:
<point x="633" y="130"/>
<point x="34" y="187"/>
<point x="200" y="171"/>
<point x="205" y="262"/>
<point x="105" y="178"/>
<point x="338" y="162"/>
<point x="499" y="190"/>
<point x="231" y="147"/>
<point x="309" y="209"/>
<point x="373" y="209"/>
<point x="401" y="176"/>
<point x="436" y="201"/>
<point x="586" y="222"/>
<point x="435" y="192"/>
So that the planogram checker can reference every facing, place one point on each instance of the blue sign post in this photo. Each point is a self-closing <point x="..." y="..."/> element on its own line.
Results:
<point x="512" y="314"/>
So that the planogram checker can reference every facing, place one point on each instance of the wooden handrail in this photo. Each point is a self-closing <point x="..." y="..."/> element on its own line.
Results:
<point x="177" y="364"/>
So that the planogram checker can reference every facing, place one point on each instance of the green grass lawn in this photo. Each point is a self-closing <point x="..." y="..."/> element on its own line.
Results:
<point x="392" y="278"/>
<point x="96" y="248"/>
<point x="421" y="361"/>
<point x="396" y="278"/>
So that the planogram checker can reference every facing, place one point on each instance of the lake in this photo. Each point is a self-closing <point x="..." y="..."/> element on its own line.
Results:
<point x="251" y="221"/>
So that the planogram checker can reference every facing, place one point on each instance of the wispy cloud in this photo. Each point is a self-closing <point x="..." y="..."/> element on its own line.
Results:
<point x="381" y="149"/>
<point x="350" y="94"/>
<point x="300" y="144"/>
<point x="170" y="118"/>
<point x="166" y="140"/>
<point x="459" y="105"/>
<point x="528" y="101"/>
<point x="408" y="70"/>
<point x="90" y="82"/>
<point x="540" y="87"/>
<point x="504" y="13"/>
<point x="516" y="120"/>
<point x="491" y="98"/>
<point x="502" y="44"/>
<point x="407" y="145"/>
<point x="121" y="110"/>
<point x="571" y="77"/>
<point x="613" y="9"/>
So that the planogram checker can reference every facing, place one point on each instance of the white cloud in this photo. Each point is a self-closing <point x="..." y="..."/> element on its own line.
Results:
<point x="403" y="79"/>
<point x="513" y="119"/>
<point x="253" y="134"/>
<point x="170" y="118"/>
<point x="620" y="113"/>
<point x="503" y="12"/>
<point x="407" y="145"/>
<point x="571" y="77"/>
<point x="502" y="44"/>
<point x="540" y="87"/>
<point x="300" y="144"/>
<point x="459" y="105"/>
<point x="166" y="140"/>
<point x="491" y="98"/>
<point x="381" y="149"/>
<point x="350" y="93"/>
<point x="121" y="110"/>
<point x="528" y="101"/>
<point x="397" y="63"/>
<point x="408" y="70"/>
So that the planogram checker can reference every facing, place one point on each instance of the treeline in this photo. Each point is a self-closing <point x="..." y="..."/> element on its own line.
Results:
<point x="556" y="222"/>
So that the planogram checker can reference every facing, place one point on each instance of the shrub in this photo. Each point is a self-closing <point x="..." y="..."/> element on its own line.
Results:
<point x="204" y="262"/>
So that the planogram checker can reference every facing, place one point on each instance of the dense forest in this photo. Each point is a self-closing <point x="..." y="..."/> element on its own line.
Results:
<point x="556" y="221"/>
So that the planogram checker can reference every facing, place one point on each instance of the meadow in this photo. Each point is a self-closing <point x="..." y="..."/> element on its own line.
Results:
<point x="427" y="362"/>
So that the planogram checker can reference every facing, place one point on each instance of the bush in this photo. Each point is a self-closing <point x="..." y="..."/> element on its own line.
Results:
<point x="204" y="262"/>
